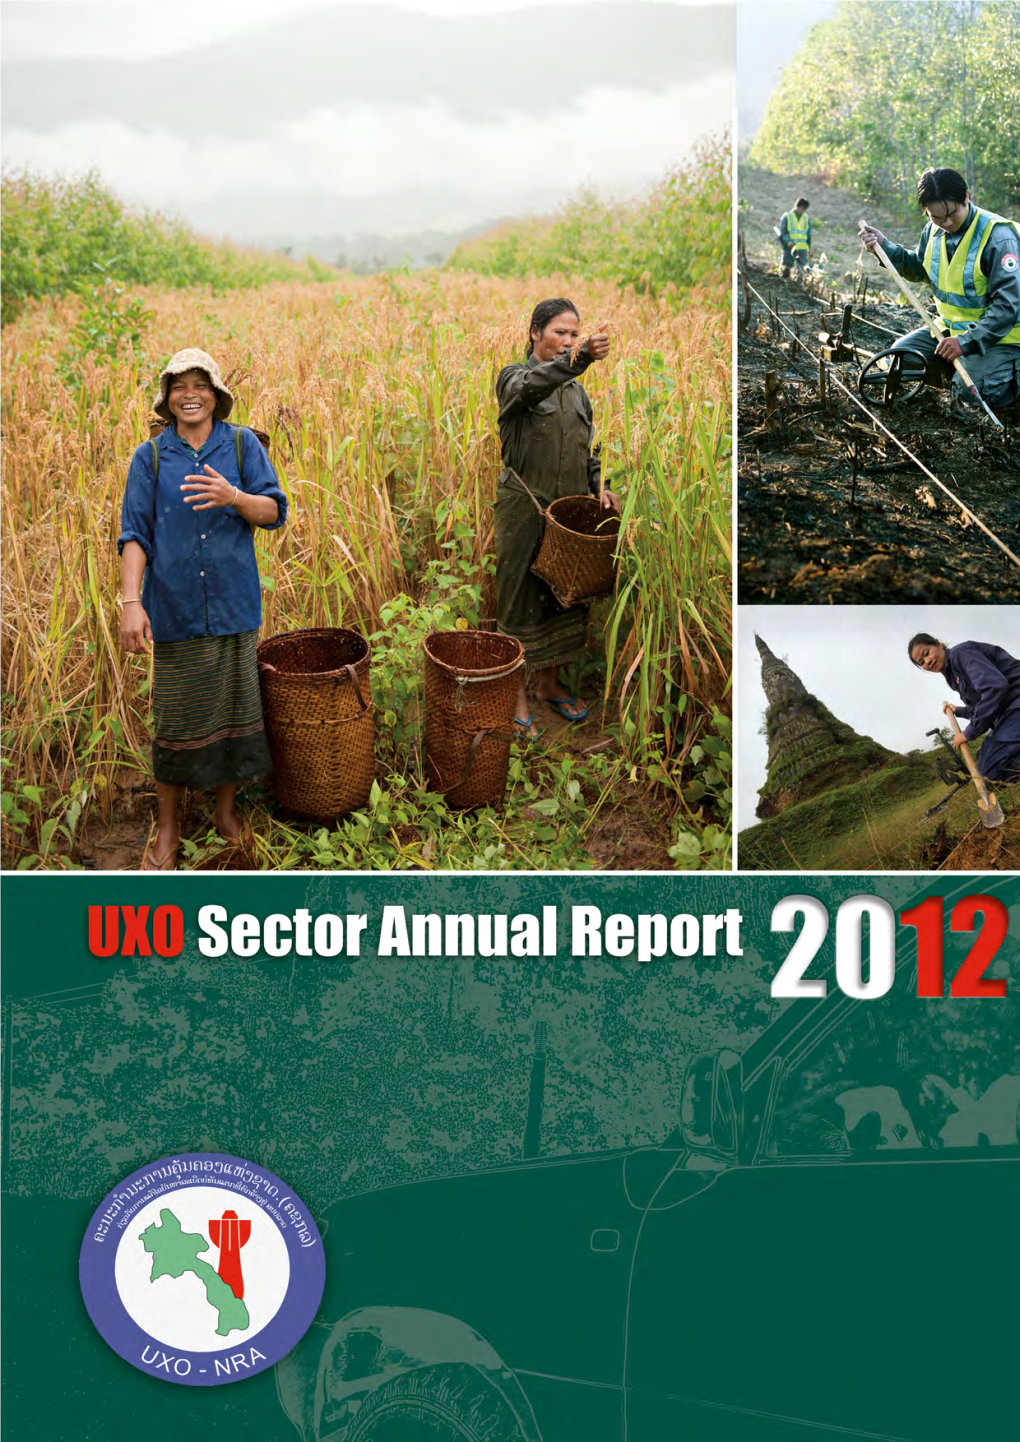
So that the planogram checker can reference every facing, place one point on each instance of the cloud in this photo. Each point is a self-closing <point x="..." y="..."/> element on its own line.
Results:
<point x="618" y="140"/>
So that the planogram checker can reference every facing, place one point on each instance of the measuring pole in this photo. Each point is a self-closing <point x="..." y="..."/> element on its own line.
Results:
<point x="958" y="363"/>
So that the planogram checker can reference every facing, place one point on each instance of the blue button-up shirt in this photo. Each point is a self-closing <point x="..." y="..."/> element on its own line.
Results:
<point x="988" y="680"/>
<point x="202" y="578"/>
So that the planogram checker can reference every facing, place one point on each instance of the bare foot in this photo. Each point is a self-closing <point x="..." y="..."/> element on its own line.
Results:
<point x="524" y="722"/>
<point x="228" y="824"/>
<point x="161" y="855"/>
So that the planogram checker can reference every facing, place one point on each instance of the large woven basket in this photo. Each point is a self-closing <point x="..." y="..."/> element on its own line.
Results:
<point x="317" y="705"/>
<point x="577" y="558"/>
<point x="471" y="683"/>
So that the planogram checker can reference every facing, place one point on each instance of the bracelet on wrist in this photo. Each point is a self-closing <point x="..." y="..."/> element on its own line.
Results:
<point x="131" y="601"/>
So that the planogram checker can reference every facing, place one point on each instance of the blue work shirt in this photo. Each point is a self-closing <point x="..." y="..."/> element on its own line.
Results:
<point x="202" y="578"/>
<point x="988" y="679"/>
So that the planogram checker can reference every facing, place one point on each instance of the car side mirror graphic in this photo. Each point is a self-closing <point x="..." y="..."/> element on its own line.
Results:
<point x="712" y="1105"/>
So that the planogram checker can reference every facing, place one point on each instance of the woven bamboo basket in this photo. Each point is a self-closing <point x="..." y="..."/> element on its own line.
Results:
<point x="471" y="682"/>
<point x="580" y="543"/>
<point x="577" y="558"/>
<point x="317" y="704"/>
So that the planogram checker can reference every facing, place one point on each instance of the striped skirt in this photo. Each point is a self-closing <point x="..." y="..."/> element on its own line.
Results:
<point x="207" y="712"/>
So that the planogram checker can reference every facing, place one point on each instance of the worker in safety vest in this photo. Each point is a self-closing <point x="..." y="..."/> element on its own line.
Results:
<point x="971" y="259"/>
<point x="795" y="237"/>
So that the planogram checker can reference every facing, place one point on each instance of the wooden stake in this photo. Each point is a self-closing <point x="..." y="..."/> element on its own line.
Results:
<point x="771" y="394"/>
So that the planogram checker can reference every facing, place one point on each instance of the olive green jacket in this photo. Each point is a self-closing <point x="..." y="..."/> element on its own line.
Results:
<point x="546" y="427"/>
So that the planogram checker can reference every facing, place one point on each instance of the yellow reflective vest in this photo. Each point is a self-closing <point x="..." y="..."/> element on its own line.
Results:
<point x="960" y="285"/>
<point x="797" y="230"/>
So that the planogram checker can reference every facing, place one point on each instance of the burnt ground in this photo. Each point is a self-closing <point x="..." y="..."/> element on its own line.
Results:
<point x="830" y="510"/>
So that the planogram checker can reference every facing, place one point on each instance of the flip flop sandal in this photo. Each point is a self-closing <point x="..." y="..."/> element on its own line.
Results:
<point x="169" y="862"/>
<point x="525" y="732"/>
<point x="560" y="704"/>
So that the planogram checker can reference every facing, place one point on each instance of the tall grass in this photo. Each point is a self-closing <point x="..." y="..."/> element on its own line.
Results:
<point x="380" y="403"/>
<point x="61" y="233"/>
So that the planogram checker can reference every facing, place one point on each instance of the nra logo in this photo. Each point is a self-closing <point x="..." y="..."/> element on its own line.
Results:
<point x="202" y="1269"/>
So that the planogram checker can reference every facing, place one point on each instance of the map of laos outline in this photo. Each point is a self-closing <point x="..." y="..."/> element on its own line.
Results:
<point x="174" y="1254"/>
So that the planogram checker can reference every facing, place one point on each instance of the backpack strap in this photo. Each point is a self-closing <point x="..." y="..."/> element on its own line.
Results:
<point x="238" y="450"/>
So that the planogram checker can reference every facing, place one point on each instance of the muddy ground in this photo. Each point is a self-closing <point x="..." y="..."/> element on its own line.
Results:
<point x="632" y="831"/>
<point x="957" y="839"/>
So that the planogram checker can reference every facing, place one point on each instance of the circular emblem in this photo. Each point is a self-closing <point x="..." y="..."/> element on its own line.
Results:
<point x="202" y="1269"/>
<point x="1009" y="262"/>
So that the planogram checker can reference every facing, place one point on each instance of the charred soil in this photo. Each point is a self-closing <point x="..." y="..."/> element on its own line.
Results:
<point x="830" y="509"/>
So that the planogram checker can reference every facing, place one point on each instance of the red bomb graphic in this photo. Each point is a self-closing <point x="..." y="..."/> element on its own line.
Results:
<point x="230" y="1235"/>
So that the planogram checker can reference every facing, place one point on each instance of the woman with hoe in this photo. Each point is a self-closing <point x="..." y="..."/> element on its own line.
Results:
<point x="988" y="680"/>
<point x="545" y="431"/>
<point x="192" y="593"/>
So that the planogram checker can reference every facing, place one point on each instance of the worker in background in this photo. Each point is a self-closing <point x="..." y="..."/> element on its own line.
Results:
<point x="971" y="259"/>
<point x="795" y="237"/>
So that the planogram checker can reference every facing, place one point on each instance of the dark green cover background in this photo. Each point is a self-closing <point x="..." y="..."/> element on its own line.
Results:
<point x="857" y="1276"/>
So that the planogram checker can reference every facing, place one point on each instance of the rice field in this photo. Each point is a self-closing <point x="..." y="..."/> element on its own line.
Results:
<point x="378" y="394"/>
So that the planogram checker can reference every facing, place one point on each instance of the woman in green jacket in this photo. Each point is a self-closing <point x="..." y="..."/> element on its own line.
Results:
<point x="545" y="431"/>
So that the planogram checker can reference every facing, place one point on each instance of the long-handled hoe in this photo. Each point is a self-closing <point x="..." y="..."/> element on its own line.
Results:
<point x="936" y="332"/>
<point x="991" y="811"/>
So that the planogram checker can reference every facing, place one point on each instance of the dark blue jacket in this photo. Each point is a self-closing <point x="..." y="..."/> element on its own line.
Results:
<point x="988" y="679"/>
<point x="202" y="578"/>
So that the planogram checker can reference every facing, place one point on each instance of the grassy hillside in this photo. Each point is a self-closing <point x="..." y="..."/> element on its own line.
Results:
<point x="676" y="238"/>
<point x="878" y="823"/>
<point x="71" y="233"/>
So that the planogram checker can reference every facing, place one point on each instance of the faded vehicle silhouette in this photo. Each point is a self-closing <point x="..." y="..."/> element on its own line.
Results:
<point x="625" y="1297"/>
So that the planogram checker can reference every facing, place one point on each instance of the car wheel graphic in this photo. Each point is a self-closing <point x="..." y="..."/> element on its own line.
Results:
<point x="436" y="1404"/>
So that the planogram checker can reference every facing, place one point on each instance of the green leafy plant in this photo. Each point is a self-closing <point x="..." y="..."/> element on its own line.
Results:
<point x="36" y="829"/>
<point x="705" y="831"/>
<point x="109" y="322"/>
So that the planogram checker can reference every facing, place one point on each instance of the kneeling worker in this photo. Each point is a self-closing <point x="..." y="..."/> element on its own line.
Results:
<point x="795" y="237"/>
<point x="971" y="259"/>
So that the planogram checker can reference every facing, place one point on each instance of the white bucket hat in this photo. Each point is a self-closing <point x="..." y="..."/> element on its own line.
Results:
<point x="192" y="359"/>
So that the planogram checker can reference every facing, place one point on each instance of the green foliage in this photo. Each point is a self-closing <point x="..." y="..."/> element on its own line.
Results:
<point x="57" y="232"/>
<point x="704" y="835"/>
<point x="453" y="597"/>
<point x="548" y="814"/>
<point x="676" y="238"/>
<point x="35" y="829"/>
<point x="109" y="319"/>
<point x="878" y="92"/>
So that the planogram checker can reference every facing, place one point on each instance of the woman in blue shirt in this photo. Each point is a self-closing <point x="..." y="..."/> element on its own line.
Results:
<point x="192" y="593"/>
<point x="988" y="680"/>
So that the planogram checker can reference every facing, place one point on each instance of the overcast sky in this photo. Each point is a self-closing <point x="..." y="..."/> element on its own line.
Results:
<point x="854" y="659"/>
<point x="270" y="120"/>
<point x="769" y="32"/>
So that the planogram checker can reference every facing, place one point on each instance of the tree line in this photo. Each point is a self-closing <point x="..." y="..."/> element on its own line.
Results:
<point x="878" y="92"/>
